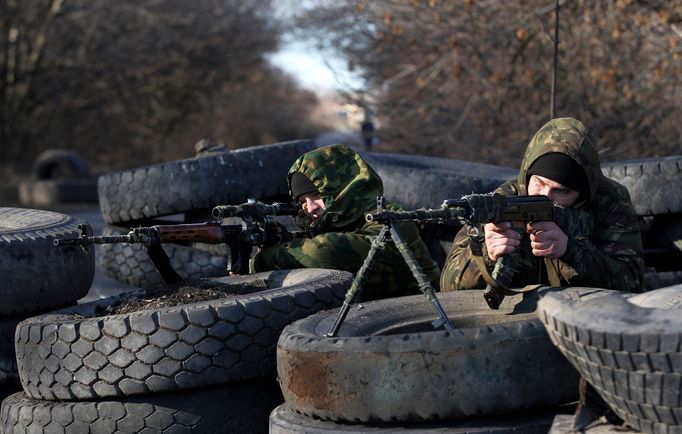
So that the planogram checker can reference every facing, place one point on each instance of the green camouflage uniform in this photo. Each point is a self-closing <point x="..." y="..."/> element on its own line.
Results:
<point x="610" y="256"/>
<point x="342" y="237"/>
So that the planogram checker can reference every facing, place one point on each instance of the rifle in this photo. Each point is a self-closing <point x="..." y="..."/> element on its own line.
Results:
<point x="258" y="228"/>
<point x="391" y="233"/>
<point x="477" y="209"/>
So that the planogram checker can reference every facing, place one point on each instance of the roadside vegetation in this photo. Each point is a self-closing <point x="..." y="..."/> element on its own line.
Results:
<point x="135" y="82"/>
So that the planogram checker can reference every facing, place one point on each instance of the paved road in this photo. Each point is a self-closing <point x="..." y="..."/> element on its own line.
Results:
<point x="102" y="285"/>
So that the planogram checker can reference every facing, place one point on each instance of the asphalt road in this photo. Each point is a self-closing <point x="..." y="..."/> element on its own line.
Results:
<point x="102" y="285"/>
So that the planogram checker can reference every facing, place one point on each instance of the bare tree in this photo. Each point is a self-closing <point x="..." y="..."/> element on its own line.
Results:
<point x="137" y="81"/>
<point x="470" y="79"/>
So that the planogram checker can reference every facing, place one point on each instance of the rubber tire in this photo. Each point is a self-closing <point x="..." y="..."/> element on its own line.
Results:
<point x="658" y="280"/>
<point x="627" y="347"/>
<point x="68" y="162"/>
<point x="130" y="263"/>
<point x="71" y="355"/>
<point x="202" y="183"/>
<point x="36" y="275"/>
<point x="666" y="232"/>
<point x="653" y="183"/>
<point x="416" y="181"/>
<point x="284" y="421"/>
<point x="8" y="360"/>
<point x="380" y="370"/>
<point x="9" y="376"/>
<point x="232" y="408"/>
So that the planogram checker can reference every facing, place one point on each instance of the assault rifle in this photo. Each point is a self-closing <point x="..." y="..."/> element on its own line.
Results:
<point x="477" y="209"/>
<point x="258" y="228"/>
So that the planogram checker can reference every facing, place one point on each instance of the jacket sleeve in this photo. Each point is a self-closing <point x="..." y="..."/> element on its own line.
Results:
<point x="612" y="257"/>
<point x="460" y="270"/>
<point x="334" y="250"/>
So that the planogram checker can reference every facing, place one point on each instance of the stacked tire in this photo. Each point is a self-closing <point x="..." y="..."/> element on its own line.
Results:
<point x="36" y="275"/>
<point x="627" y="347"/>
<point x="195" y="186"/>
<point x="653" y="184"/>
<point x="185" y="191"/>
<point x="202" y="367"/>
<point x="59" y="177"/>
<point x="388" y="366"/>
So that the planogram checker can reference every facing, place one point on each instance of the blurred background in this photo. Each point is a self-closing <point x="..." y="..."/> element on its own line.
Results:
<point x="135" y="82"/>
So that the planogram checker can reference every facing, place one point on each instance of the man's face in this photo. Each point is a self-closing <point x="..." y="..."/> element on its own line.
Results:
<point x="559" y="193"/>
<point x="312" y="204"/>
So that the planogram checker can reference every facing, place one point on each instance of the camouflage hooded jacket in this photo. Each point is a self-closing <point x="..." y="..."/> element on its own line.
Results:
<point x="609" y="257"/>
<point x="342" y="237"/>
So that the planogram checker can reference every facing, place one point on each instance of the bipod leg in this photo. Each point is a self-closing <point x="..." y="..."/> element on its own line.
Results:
<point x="424" y="285"/>
<point x="359" y="281"/>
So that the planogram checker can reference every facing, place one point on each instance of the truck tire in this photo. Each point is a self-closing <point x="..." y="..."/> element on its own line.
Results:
<point x="60" y="164"/>
<point x="36" y="275"/>
<point x="658" y="280"/>
<point x="653" y="183"/>
<point x="231" y="408"/>
<point x="387" y="363"/>
<point x="627" y="347"/>
<point x="73" y="354"/>
<point x="199" y="184"/>
<point x="8" y="360"/>
<point x="130" y="263"/>
<point x="285" y="421"/>
<point x="416" y="181"/>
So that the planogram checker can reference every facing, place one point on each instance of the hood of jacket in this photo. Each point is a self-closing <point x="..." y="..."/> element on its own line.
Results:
<point x="566" y="136"/>
<point x="346" y="183"/>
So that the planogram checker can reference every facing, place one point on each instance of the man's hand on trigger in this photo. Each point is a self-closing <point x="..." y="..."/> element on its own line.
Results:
<point x="500" y="239"/>
<point x="547" y="239"/>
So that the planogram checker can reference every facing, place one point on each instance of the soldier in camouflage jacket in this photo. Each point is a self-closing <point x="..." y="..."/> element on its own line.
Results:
<point x="341" y="189"/>
<point x="609" y="256"/>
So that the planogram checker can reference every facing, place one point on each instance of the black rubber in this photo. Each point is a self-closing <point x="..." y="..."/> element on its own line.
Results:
<point x="284" y="421"/>
<point x="8" y="361"/>
<point x="36" y="275"/>
<point x="60" y="163"/>
<point x="627" y="347"/>
<point x="665" y="232"/>
<point x="232" y="408"/>
<point x="653" y="183"/>
<point x="389" y="365"/>
<point x="130" y="263"/>
<point x="198" y="184"/>
<point x="73" y="354"/>
<point x="415" y="181"/>
<point x="657" y="280"/>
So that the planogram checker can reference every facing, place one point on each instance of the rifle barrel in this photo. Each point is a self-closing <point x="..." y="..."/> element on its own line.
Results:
<point x="89" y="240"/>
<point x="440" y="215"/>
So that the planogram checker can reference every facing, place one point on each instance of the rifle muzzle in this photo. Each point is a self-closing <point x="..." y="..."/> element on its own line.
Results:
<point x="223" y="211"/>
